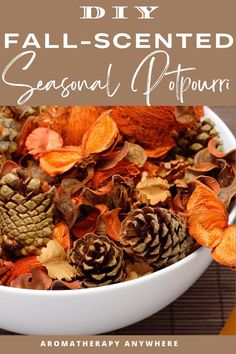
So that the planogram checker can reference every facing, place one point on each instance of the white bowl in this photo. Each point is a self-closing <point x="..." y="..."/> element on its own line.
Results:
<point x="99" y="310"/>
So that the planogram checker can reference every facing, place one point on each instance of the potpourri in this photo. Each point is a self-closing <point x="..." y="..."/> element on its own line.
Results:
<point x="92" y="196"/>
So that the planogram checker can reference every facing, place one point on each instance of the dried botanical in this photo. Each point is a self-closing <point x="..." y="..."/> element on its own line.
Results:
<point x="91" y="195"/>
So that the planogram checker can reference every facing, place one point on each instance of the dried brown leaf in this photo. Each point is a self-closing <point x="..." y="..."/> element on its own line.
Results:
<point x="152" y="190"/>
<point x="228" y="193"/>
<point x="54" y="258"/>
<point x="136" y="155"/>
<point x="65" y="285"/>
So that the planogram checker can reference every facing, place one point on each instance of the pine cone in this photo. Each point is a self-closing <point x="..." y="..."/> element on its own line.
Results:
<point x="26" y="213"/>
<point x="190" y="141"/>
<point x="155" y="235"/>
<point x="98" y="261"/>
<point x="8" y="135"/>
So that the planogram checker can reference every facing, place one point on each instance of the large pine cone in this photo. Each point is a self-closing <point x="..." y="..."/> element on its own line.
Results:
<point x="26" y="213"/>
<point x="98" y="261"/>
<point x="155" y="235"/>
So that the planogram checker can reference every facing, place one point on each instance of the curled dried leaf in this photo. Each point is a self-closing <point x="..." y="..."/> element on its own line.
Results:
<point x="112" y="159"/>
<point x="101" y="135"/>
<point x="209" y="182"/>
<point x="152" y="190"/>
<point x="42" y="140"/>
<point x="212" y="147"/>
<point x="227" y="194"/>
<point x="54" y="258"/>
<point x="37" y="280"/>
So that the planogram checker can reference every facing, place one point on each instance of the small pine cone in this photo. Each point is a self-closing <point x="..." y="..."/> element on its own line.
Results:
<point x="190" y="141"/>
<point x="155" y="235"/>
<point x="26" y="213"/>
<point x="98" y="261"/>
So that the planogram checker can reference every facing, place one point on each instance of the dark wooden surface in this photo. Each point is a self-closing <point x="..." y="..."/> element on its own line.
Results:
<point x="204" y="308"/>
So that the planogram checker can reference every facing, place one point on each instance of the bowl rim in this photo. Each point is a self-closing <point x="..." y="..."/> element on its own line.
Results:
<point x="87" y="291"/>
<point x="143" y="279"/>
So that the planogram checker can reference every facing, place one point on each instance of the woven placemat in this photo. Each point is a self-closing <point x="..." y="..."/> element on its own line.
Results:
<point x="203" y="309"/>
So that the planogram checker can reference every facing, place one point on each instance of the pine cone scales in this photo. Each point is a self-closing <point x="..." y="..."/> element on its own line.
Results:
<point x="155" y="235"/>
<point x="26" y="213"/>
<point x="98" y="261"/>
<point x="193" y="140"/>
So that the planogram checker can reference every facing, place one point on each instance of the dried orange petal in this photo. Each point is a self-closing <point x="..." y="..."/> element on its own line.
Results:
<point x="101" y="135"/>
<point x="225" y="252"/>
<point x="207" y="227"/>
<point x="204" y="199"/>
<point x="60" y="161"/>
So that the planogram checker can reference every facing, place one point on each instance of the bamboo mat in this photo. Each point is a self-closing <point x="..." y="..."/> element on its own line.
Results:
<point x="203" y="309"/>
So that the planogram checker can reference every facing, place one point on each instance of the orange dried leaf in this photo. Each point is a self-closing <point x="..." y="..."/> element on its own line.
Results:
<point x="60" y="161"/>
<point x="61" y="234"/>
<point x="225" y="252"/>
<point x="207" y="227"/>
<point x="101" y="135"/>
<point x="42" y="140"/>
<point x="204" y="199"/>
<point x="207" y="216"/>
